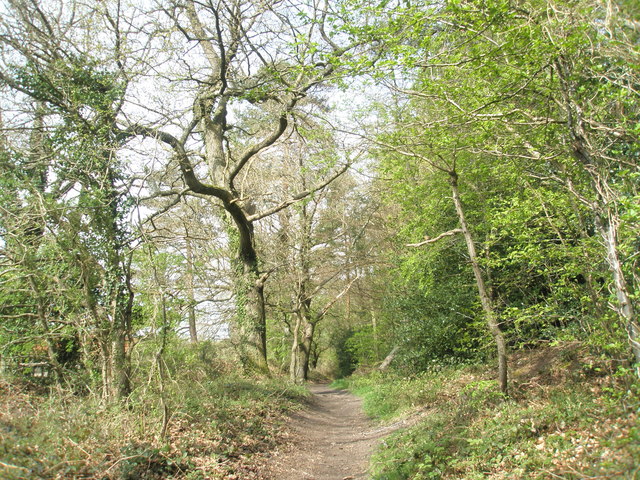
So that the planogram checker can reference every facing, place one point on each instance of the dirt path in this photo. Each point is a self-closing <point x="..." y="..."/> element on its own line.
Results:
<point x="332" y="440"/>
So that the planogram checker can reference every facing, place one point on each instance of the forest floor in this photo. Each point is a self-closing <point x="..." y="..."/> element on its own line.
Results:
<point x="571" y="414"/>
<point x="332" y="439"/>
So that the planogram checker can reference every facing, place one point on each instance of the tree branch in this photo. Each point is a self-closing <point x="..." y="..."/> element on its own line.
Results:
<point x="186" y="168"/>
<point x="328" y="306"/>
<point x="428" y="240"/>
<point x="299" y="196"/>
<point x="266" y="142"/>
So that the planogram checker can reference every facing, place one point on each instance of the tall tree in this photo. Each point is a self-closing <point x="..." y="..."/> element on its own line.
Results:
<point x="547" y="112"/>
<point x="82" y="200"/>
<point x="257" y="63"/>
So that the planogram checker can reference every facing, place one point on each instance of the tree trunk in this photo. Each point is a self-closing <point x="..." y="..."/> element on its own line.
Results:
<point x="191" y="307"/>
<point x="485" y="299"/>
<point x="105" y="367"/>
<point x="252" y="318"/>
<point x="389" y="358"/>
<point x="596" y="165"/>
<point x="44" y="323"/>
<point x="374" y="328"/>
<point x="314" y="355"/>
<point x="307" y="341"/>
<point x="113" y="325"/>
<point x="121" y="336"/>
<point x="121" y="365"/>
<point x="607" y="228"/>
<point x="250" y="336"/>
<point x="294" y="370"/>
<point x="301" y="350"/>
<point x="118" y="280"/>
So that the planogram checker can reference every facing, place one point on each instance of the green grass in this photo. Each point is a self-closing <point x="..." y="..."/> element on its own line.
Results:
<point x="560" y="423"/>
<point x="387" y="396"/>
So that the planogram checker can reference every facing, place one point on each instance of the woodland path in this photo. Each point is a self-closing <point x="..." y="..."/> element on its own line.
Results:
<point x="332" y="440"/>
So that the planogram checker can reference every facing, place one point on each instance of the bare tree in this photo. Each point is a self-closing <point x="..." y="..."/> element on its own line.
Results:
<point x="256" y="65"/>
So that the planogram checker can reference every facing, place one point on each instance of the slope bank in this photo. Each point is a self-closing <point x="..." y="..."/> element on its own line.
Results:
<point x="570" y="415"/>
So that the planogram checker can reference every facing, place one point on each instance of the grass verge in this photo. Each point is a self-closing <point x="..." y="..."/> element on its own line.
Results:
<point x="568" y="417"/>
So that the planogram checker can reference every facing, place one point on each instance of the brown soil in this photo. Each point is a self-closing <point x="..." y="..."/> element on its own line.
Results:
<point x="330" y="440"/>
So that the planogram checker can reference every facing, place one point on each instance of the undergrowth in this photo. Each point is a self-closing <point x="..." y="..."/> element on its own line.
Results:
<point x="216" y="421"/>
<point x="568" y="417"/>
